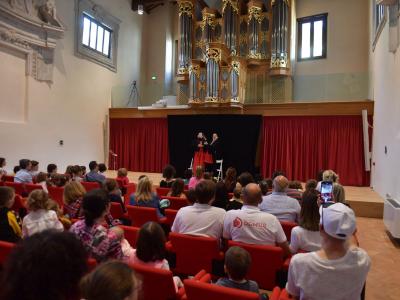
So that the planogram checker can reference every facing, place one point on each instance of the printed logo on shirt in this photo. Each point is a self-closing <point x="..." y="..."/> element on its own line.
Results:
<point x="237" y="222"/>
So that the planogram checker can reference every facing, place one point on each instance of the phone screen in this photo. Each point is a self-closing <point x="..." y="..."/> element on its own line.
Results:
<point x="326" y="191"/>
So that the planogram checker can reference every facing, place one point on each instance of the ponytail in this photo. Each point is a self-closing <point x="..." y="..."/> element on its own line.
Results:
<point x="94" y="205"/>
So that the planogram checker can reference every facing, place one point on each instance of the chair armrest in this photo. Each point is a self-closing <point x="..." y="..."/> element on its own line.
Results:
<point x="275" y="294"/>
<point x="286" y="264"/>
<point x="284" y="295"/>
<point x="163" y="220"/>
<point x="169" y="247"/>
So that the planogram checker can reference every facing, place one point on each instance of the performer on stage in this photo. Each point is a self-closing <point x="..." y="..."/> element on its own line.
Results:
<point x="215" y="149"/>
<point x="201" y="152"/>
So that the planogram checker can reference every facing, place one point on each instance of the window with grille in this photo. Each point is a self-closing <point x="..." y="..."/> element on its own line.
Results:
<point x="96" y="36"/>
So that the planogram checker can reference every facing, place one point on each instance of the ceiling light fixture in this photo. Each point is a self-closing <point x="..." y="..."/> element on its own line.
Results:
<point x="140" y="9"/>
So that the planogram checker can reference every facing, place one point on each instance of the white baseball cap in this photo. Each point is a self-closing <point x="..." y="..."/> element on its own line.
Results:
<point x="338" y="220"/>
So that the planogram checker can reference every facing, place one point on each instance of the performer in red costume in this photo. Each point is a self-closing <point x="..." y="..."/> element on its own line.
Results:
<point x="202" y="154"/>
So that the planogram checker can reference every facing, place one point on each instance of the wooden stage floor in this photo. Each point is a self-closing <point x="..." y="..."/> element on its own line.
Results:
<point x="364" y="200"/>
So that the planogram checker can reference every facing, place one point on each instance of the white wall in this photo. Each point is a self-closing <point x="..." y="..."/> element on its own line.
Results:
<point x="74" y="107"/>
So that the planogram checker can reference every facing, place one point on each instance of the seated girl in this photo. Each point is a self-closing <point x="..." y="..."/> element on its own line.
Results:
<point x="114" y="193"/>
<point x="145" y="196"/>
<point x="177" y="189"/>
<point x="168" y="175"/>
<point x="73" y="195"/>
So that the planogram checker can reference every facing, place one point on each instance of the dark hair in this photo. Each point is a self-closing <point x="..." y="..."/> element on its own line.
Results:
<point x="150" y="244"/>
<point x="16" y="169"/>
<point x="46" y="266"/>
<point x="311" y="185"/>
<point x="141" y="176"/>
<point x="92" y="165"/>
<point x="277" y="173"/>
<point x="110" y="280"/>
<point x="264" y="187"/>
<point x="75" y="170"/>
<point x="309" y="214"/>
<point x="221" y="195"/>
<point x="168" y="172"/>
<point x="320" y="175"/>
<point x="205" y="191"/>
<point x="191" y="196"/>
<point x="60" y="180"/>
<point x="83" y="169"/>
<point x="245" y="178"/>
<point x="188" y="174"/>
<point x="69" y="169"/>
<point x="207" y="176"/>
<point x="237" y="192"/>
<point x="51" y="168"/>
<point x="94" y="204"/>
<point x="6" y="194"/>
<point x="230" y="178"/>
<point x="2" y="161"/>
<point x="102" y="167"/>
<point x="24" y="163"/>
<point x="295" y="184"/>
<point x="110" y="185"/>
<point x="177" y="187"/>
<point x="34" y="163"/>
<point x="41" y="177"/>
<point x="237" y="262"/>
<point x="258" y="178"/>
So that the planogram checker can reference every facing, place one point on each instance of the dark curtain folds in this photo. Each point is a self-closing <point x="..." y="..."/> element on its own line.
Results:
<point x="301" y="146"/>
<point x="141" y="143"/>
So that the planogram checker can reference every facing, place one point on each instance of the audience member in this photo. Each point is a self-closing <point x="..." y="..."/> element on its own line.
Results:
<point x="208" y="176"/>
<point x="191" y="196"/>
<point x="34" y="168"/>
<point x="339" y="269"/>
<point x="16" y="169"/>
<point x="306" y="236"/>
<point x="295" y="185"/>
<point x="187" y="175"/>
<point x="279" y="204"/>
<point x="83" y="169"/>
<point x="114" y="193"/>
<point x="197" y="178"/>
<point x="235" y="202"/>
<point x="111" y="280"/>
<point x="145" y="196"/>
<point x="45" y="266"/>
<point x="250" y="225"/>
<point x="53" y="205"/>
<point x="69" y="171"/>
<point x="41" y="179"/>
<point x="221" y="196"/>
<point x="311" y="185"/>
<point x="258" y="178"/>
<point x="142" y="176"/>
<point x="328" y="175"/>
<point x="277" y="173"/>
<point x="51" y="170"/>
<point x="39" y="218"/>
<point x="76" y="173"/>
<point x="245" y="178"/>
<point x="177" y="189"/>
<point x="122" y="175"/>
<point x="269" y="182"/>
<point x="230" y="179"/>
<point x="201" y="219"/>
<point x="168" y="175"/>
<point x="264" y="187"/>
<point x="2" y="166"/>
<point x="102" y="168"/>
<point x="10" y="231"/>
<point x="73" y="196"/>
<point x="339" y="193"/>
<point x="59" y="180"/>
<point x="94" y="175"/>
<point x="100" y="243"/>
<point x="24" y="175"/>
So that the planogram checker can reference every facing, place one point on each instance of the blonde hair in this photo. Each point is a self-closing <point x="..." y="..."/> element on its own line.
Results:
<point x="53" y="205"/>
<point x="330" y="175"/>
<point x="199" y="172"/>
<point x="144" y="190"/>
<point x="38" y="199"/>
<point x="73" y="191"/>
<point x="122" y="172"/>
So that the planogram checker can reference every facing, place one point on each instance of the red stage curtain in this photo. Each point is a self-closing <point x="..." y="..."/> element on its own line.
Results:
<point x="141" y="144"/>
<point x="301" y="146"/>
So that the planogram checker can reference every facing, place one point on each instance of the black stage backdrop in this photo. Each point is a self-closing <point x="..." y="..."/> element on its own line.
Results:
<point x="238" y="135"/>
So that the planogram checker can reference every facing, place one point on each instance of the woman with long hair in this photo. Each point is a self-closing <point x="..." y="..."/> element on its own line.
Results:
<point x="230" y="179"/>
<point x="177" y="189"/>
<point x="145" y="196"/>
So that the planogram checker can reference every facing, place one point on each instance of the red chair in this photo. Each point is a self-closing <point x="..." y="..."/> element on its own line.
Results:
<point x="196" y="290"/>
<point x="194" y="253"/>
<point x="8" y="178"/>
<point x="176" y="202"/>
<point x="170" y="214"/>
<point x="57" y="194"/>
<point x="131" y="234"/>
<point x="5" y="250"/>
<point x="161" y="192"/>
<point x="19" y="188"/>
<point x="91" y="264"/>
<point x="140" y="215"/>
<point x="31" y="187"/>
<point x="116" y="211"/>
<point x="90" y="185"/>
<point x="276" y="294"/>
<point x="130" y="189"/>
<point x="18" y="203"/>
<point x="265" y="262"/>
<point x="287" y="227"/>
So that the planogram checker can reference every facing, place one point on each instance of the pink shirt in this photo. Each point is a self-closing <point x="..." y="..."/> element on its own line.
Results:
<point x="193" y="182"/>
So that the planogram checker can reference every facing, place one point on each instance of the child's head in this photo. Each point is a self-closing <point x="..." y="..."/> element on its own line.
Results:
<point x="237" y="191"/>
<point x="60" y="180"/>
<point x="150" y="245"/>
<point x="16" y="169"/>
<point x="38" y="199"/>
<point x="68" y="170"/>
<point x="76" y="171"/>
<point x="237" y="263"/>
<point x="73" y="191"/>
<point x="6" y="196"/>
<point x="41" y="177"/>
<point x="35" y="165"/>
<point x="122" y="172"/>
<point x="52" y="169"/>
<point x="83" y="170"/>
<point x="110" y="185"/>
<point x="102" y="168"/>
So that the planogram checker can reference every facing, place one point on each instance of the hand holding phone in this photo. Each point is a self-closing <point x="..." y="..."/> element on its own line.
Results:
<point x="327" y="191"/>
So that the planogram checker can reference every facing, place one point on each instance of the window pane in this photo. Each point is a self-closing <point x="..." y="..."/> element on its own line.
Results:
<point x="100" y="33"/>
<point x="93" y="34"/>
<point x="106" y="42"/>
<point x="85" y="34"/>
<point x="305" y="40"/>
<point x="318" y="26"/>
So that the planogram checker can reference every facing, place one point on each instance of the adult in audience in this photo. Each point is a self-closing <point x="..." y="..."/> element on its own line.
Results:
<point x="16" y="169"/>
<point x="235" y="202"/>
<point x="9" y="227"/>
<point x="73" y="196"/>
<point x="201" y="219"/>
<point x="76" y="173"/>
<point x="41" y="179"/>
<point x="83" y="169"/>
<point x="145" y="196"/>
<point x="102" y="168"/>
<point x="111" y="280"/>
<point x="177" y="189"/>
<point x="191" y="196"/>
<point x="2" y="166"/>
<point x="339" y="194"/>
<point x="24" y="175"/>
<point x="221" y="196"/>
<point x="279" y="203"/>
<point x="306" y="236"/>
<point x="100" y="243"/>
<point x="45" y="266"/>
<point x="197" y="178"/>
<point x="230" y="179"/>
<point x="40" y="218"/>
<point x="94" y="175"/>
<point x="250" y="225"/>
<point x="264" y="187"/>
<point x="113" y="192"/>
<point x="59" y="180"/>
<point x="339" y="269"/>
<point x="34" y="168"/>
<point x="311" y="185"/>
<point x="328" y="175"/>
<point x="51" y="170"/>
<point x="245" y="178"/>
<point x="168" y="175"/>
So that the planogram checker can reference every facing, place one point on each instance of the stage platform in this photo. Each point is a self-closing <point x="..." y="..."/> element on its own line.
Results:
<point x="364" y="200"/>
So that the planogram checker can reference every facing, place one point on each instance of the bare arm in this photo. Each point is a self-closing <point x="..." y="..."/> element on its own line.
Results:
<point x="285" y="248"/>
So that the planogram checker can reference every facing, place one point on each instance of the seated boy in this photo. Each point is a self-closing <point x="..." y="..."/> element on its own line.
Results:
<point x="237" y="264"/>
<point x="10" y="231"/>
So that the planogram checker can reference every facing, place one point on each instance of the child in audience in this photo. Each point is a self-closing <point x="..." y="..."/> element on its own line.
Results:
<point x="235" y="202"/>
<point x="123" y="176"/>
<point x="2" y="166"/>
<point x="102" y="168"/>
<point x="41" y="179"/>
<point x="53" y="205"/>
<point x="150" y="249"/>
<point x="83" y="169"/>
<point x="177" y="189"/>
<point x="39" y="218"/>
<point x="35" y="168"/>
<point x="237" y="265"/>
<point x="197" y="178"/>
<point x="16" y="169"/>
<point x="111" y="280"/>
<point x="10" y="231"/>
<point x="59" y="180"/>
<point x="77" y="173"/>
<point x="168" y="175"/>
<point x="51" y="170"/>
<point x="68" y="171"/>
<point x="114" y="193"/>
<point x="73" y="194"/>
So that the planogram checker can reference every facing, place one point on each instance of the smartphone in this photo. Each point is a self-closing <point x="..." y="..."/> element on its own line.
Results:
<point x="326" y="191"/>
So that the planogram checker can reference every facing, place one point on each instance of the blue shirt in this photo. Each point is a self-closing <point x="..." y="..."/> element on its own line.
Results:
<point x="23" y="176"/>
<point x="93" y="176"/>
<point x="246" y="285"/>
<point x="153" y="202"/>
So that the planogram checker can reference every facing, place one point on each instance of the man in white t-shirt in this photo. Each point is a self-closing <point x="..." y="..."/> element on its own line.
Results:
<point x="201" y="219"/>
<point x="252" y="226"/>
<point x="279" y="204"/>
<point x="338" y="271"/>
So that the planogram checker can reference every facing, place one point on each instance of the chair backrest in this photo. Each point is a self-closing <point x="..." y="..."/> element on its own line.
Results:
<point x="31" y="187"/>
<point x="194" y="253"/>
<point x="56" y="193"/>
<point x="5" y="250"/>
<point x="19" y="188"/>
<point x="90" y="185"/>
<point x="287" y="227"/>
<point x="141" y="215"/>
<point x="131" y="234"/>
<point x="170" y="214"/>
<point x="8" y="178"/>
<point x="196" y="290"/>
<point x="265" y="262"/>
<point x="116" y="210"/>
<point x="157" y="284"/>
<point x="130" y="189"/>
<point x="18" y="203"/>
<point x="162" y="191"/>
<point x="176" y="202"/>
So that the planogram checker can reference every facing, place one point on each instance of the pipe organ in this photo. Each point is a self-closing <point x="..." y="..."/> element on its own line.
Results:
<point x="224" y="53"/>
